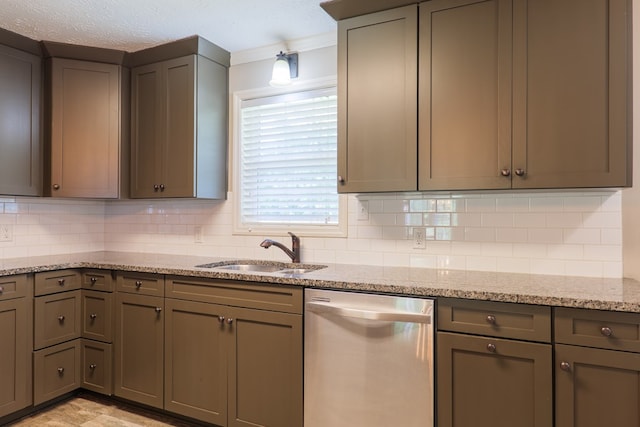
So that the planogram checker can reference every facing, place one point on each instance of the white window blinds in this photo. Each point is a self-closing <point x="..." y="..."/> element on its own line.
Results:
<point x="288" y="159"/>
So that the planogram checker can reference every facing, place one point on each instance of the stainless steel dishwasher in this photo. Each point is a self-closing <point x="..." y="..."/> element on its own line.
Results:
<point x="368" y="360"/>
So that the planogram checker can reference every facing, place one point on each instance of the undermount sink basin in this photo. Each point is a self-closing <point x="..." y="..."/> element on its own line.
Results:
<point x="251" y="267"/>
<point x="240" y="266"/>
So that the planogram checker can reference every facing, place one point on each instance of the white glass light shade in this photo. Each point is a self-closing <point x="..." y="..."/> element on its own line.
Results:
<point x="281" y="75"/>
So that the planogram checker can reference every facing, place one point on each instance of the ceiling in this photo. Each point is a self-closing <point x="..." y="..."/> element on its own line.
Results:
<point x="130" y="25"/>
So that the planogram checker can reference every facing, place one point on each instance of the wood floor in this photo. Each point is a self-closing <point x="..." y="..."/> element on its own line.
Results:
<point x="87" y="410"/>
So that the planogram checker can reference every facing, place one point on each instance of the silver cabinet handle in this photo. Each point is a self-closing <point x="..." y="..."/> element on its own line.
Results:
<point x="60" y="370"/>
<point x="229" y="321"/>
<point x="505" y="172"/>
<point x="93" y="280"/>
<point x="156" y="187"/>
<point x="565" y="366"/>
<point x="341" y="179"/>
<point x="393" y="316"/>
<point x="61" y="282"/>
<point x="93" y="316"/>
<point x="491" y="319"/>
<point x="221" y="319"/>
<point x="138" y="284"/>
<point x="93" y="366"/>
<point x="61" y="319"/>
<point x="519" y="172"/>
<point x="56" y="186"/>
<point x="161" y="187"/>
<point x="491" y="348"/>
<point x="158" y="310"/>
<point x="1" y="289"/>
<point x="606" y="331"/>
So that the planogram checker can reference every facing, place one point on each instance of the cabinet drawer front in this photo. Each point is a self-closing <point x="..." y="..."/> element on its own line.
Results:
<point x="56" y="318"/>
<point x="56" y="371"/>
<point x="97" y="315"/>
<point x="276" y="298"/>
<point x="96" y="367"/>
<point x="496" y="319"/>
<point x="57" y="281"/>
<point x="602" y="329"/>
<point x="97" y="280"/>
<point x="13" y="286"/>
<point x="140" y="283"/>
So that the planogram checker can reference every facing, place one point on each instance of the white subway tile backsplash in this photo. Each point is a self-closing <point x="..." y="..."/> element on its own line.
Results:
<point x="577" y="233"/>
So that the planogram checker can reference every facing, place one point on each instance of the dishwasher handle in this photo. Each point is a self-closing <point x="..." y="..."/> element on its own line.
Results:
<point x="390" y="316"/>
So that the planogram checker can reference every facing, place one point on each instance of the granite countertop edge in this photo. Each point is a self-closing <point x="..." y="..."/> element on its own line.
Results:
<point x="562" y="291"/>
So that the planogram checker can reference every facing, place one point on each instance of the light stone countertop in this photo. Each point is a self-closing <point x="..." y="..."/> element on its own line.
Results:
<point x="565" y="291"/>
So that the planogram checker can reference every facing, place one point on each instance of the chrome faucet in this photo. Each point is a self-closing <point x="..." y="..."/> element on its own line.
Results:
<point x="293" y="253"/>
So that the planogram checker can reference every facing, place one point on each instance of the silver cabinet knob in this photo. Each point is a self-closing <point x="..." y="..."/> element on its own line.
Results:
<point x="606" y="331"/>
<point x="61" y="282"/>
<point x="519" y="172"/>
<point x="491" y="319"/>
<point x="158" y="310"/>
<point x="93" y="366"/>
<point x="505" y="172"/>
<point x="221" y="319"/>
<point x="565" y="366"/>
<point x="1" y="289"/>
<point x="161" y="187"/>
<point x="93" y="280"/>
<point x="156" y="187"/>
<point x="56" y="186"/>
<point x="341" y="179"/>
<point x="60" y="319"/>
<point x="138" y="284"/>
<point x="229" y="321"/>
<point x="60" y="370"/>
<point x="491" y="348"/>
<point x="93" y="316"/>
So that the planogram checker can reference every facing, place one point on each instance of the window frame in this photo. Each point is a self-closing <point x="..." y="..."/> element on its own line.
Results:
<point x="239" y="228"/>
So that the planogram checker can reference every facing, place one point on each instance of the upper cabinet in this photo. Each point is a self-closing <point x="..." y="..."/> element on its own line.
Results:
<point x="20" y="136"/>
<point x="377" y="101"/>
<point x="510" y="94"/>
<point x="85" y="132"/>
<point x="179" y="121"/>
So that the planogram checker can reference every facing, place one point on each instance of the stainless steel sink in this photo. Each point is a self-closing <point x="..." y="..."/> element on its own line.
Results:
<point x="257" y="266"/>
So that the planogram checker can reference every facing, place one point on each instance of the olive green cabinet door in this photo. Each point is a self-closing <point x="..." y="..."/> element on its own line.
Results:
<point x="147" y="132"/>
<point x="571" y="105"/>
<point x="85" y="129"/>
<point x="377" y="101"/>
<point x="265" y="368"/>
<point x="596" y="387"/>
<point x="493" y="382"/>
<point x="195" y="361"/>
<point x="20" y="136"/>
<point x="465" y="94"/>
<point x="15" y="354"/>
<point x="139" y="349"/>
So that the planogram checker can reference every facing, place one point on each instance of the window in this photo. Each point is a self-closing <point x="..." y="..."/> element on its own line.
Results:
<point x="286" y="164"/>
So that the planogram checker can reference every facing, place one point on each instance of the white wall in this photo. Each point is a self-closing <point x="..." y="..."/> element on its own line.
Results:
<point x="565" y="233"/>
<point x="631" y="197"/>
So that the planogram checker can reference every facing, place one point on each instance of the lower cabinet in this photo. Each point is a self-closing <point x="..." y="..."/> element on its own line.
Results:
<point x="501" y="378"/>
<point x="139" y="348"/>
<point x="15" y="345"/>
<point x="96" y="366"/>
<point x="597" y="370"/>
<point x="231" y="365"/>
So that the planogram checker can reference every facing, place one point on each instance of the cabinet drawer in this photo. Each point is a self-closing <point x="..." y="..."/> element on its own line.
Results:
<point x="594" y="328"/>
<point x="13" y="286"/>
<point x="97" y="315"/>
<point x="56" y="318"/>
<point x="50" y="282"/>
<point x="56" y="371"/>
<point x="97" y="280"/>
<point x="96" y="367"/>
<point x="496" y="319"/>
<point x="140" y="283"/>
<point x="286" y="299"/>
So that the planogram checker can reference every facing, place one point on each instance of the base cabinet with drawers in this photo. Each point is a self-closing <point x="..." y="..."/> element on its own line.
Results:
<point x="15" y="343"/>
<point x="597" y="372"/>
<point x="494" y="365"/>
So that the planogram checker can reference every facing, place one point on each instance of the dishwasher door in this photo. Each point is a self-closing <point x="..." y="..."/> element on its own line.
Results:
<point x="368" y="360"/>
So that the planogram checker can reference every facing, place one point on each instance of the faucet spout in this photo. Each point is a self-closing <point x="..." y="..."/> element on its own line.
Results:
<point x="293" y="253"/>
